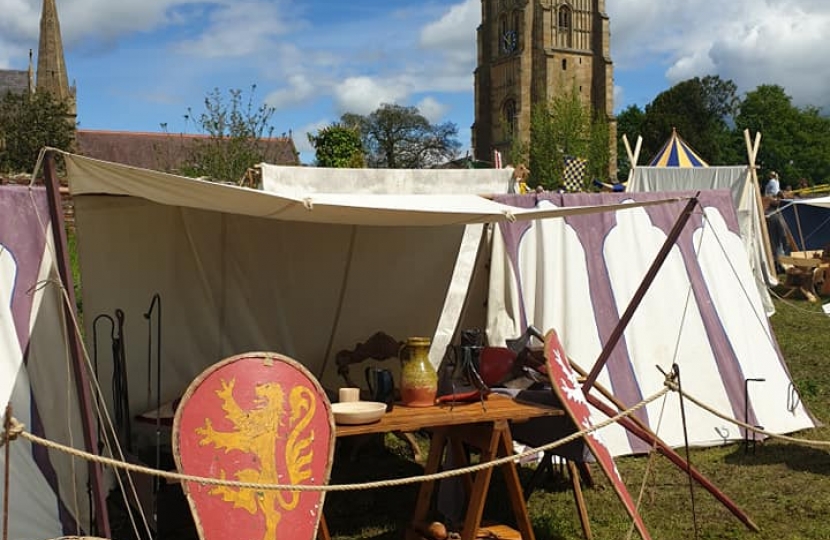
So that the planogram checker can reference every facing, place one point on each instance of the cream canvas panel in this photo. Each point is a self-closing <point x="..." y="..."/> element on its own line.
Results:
<point x="232" y="283"/>
<point x="301" y="181"/>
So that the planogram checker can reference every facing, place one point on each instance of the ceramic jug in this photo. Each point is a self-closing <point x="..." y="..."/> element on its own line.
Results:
<point x="419" y="380"/>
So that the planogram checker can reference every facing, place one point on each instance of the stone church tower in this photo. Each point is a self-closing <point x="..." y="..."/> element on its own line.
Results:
<point x="527" y="51"/>
<point x="51" y="67"/>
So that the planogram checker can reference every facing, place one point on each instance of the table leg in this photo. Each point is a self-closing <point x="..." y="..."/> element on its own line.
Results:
<point x="512" y="481"/>
<point x="422" y="504"/>
<point x="323" y="529"/>
<point x="478" y="495"/>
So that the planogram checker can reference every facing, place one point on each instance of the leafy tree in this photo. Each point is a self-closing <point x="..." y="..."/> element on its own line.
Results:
<point x="237" y="136"/>
<point x="398" y="137"/>
<point x="28" y="122"/>
<point x="769" y="110"/>
<point x="811" y="150"/>
<point x="337" y="146"/>
<point x="702" y="111"/>
<point x="563" y="127"/>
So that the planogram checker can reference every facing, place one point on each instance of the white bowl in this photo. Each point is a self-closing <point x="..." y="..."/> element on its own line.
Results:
<point x="358" y="412"/>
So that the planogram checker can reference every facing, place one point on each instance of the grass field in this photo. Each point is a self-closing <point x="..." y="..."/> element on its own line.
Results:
<point x="783" y="487"/>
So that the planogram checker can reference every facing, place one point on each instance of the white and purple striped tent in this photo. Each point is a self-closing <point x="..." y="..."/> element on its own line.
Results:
<point x="703" y="311"/>
<point x="47" y="490"/>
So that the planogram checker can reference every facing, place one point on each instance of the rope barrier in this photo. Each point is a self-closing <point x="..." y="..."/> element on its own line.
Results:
<point x="17" y="430"/>
<point x="334" y="487"/>
<point x="754" y="429"/>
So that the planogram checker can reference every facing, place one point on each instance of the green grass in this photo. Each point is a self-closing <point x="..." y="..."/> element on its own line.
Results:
<point x="784" y="488"/>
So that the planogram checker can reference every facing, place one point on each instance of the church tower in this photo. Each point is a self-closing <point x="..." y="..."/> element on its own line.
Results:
<point x="527" y="51"/>
<point x="51" y="68"/>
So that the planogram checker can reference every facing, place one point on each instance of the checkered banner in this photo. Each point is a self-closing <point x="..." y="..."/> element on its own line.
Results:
<point x="573" y="175"/>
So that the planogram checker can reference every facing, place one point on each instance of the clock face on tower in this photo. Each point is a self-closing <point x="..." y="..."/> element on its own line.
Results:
<point x="509" y="41"/>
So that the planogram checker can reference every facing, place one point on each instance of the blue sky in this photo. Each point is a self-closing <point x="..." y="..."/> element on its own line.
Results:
<point x="139" y="64"/>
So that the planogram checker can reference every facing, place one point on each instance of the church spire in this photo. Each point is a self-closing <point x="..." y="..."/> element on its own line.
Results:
<point x="51" y="68"/>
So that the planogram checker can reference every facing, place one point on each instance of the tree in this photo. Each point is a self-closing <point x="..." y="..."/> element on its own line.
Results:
<point x="397" y="137"/>
<point x="337" y="146"/>
<point x="237" y="136"/>
<point x="702" y="111"/>
<point x="769" y="110"/>
<point x="566" y="127"/>
<point x="29" y="122"/>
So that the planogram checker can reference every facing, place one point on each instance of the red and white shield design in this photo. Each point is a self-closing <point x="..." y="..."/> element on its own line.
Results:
<point x="258" y="418"/>
<point x="568" y="390"/>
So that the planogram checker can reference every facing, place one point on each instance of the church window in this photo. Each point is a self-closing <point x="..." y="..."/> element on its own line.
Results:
<point x="509" y="114"/>
<point x="564" y="25"/>
<point x="564" y="18"/>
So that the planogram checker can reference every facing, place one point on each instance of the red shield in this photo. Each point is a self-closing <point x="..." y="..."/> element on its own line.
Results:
<point x="258" y="418"/>
<point x="567" y="388"/>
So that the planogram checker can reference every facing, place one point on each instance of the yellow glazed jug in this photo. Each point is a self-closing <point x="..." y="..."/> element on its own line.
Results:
<point x="419" y="380"/>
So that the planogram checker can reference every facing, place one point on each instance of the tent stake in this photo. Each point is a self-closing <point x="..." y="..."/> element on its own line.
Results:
<point x="81" y="380"/>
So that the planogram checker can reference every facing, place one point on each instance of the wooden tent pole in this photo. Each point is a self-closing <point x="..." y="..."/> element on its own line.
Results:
<point x="800" y="232"/>
<point x="752" y="155"/>
<point x="81" y="381"/>
<point x="628" y="150"/>
<point x="639" y="294"/>
<point x="637" y="148"/>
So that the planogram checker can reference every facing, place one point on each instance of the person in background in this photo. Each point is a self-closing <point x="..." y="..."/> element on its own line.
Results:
<point x="777" y="228"/>
<point x="773" y="186"/>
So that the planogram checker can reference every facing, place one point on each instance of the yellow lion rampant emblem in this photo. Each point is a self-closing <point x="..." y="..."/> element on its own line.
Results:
<point x="256" y="431"/>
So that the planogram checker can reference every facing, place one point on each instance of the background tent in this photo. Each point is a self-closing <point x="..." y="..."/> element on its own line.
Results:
<point x="741" y="183"/>
<point x="808" y="221"/>
<point x="676" y="152"/>
<point x="579" y="274"/>
<point x="47" y="489"/>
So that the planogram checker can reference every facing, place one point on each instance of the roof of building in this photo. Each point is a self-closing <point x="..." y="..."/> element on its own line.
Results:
<point x="165" y="152"/>
<point x="13" y="80"/>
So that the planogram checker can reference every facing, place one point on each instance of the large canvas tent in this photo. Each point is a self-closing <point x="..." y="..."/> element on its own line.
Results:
<point x="310" y="265"/>
<point x="298" y="268"/>
<point x="702" y="312"/>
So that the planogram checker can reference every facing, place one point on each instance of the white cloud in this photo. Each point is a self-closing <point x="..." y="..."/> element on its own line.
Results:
<point x="298" y="89"/>
<point x="454" y="34"/>
<point x="362" y="95"/>
<point x="751" y="42"/>
<point x="238" y="29"/>
<point x="431" y="109"/>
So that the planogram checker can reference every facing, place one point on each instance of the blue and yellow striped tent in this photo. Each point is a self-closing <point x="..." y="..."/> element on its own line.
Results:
<point x="677" y="153"/>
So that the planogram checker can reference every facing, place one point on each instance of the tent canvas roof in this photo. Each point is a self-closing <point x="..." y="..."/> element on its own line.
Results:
<point x="677" y="153"/>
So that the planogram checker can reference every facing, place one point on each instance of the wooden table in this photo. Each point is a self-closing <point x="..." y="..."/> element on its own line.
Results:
<point x="486" y="428"/>
<point x="805" y="270"/>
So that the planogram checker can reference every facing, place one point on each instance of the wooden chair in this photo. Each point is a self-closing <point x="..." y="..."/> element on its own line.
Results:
<point x="381" y="347"/>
